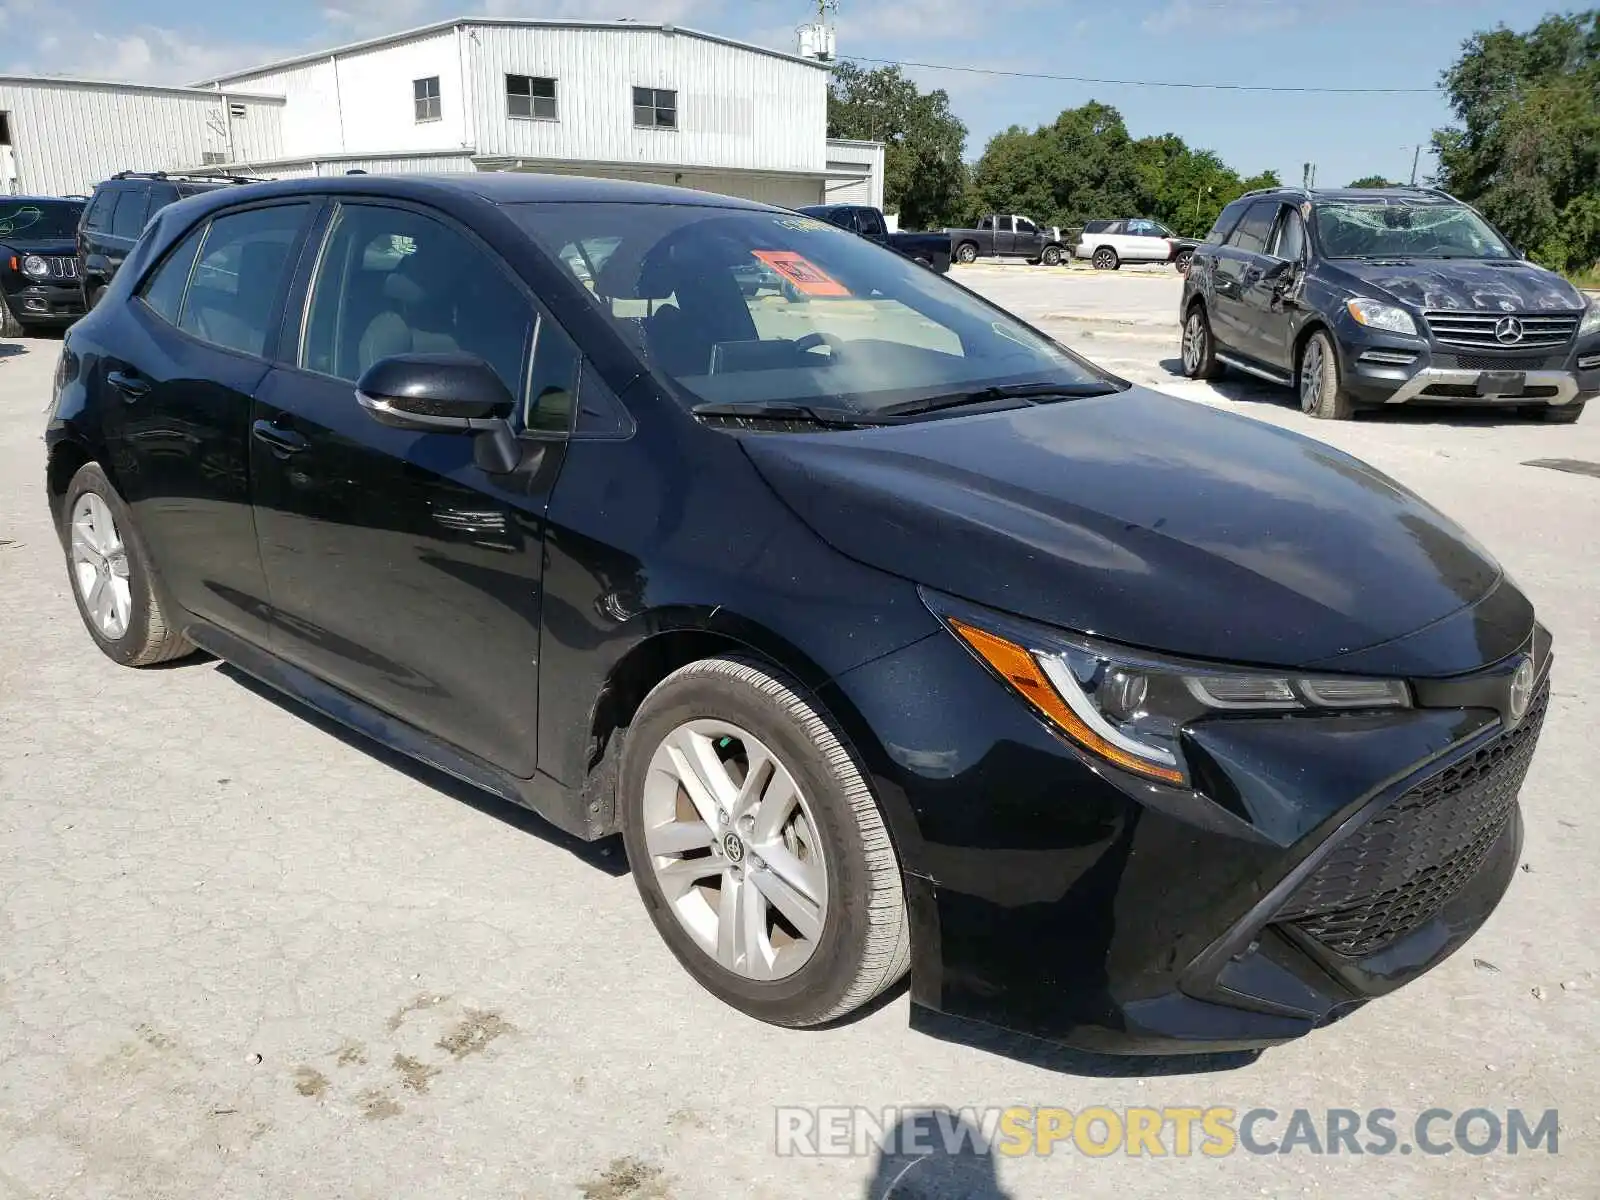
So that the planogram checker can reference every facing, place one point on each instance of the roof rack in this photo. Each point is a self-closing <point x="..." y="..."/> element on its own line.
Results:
<point x="189" y="177"/>
<point x="1282" y="187"/>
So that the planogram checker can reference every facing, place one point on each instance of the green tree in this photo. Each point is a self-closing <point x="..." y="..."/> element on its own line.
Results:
<point x="924" y="177"/>
<point x="1085" y="165"/>
<point x="1372" y="181"/>
<point x="1526" y="145"/>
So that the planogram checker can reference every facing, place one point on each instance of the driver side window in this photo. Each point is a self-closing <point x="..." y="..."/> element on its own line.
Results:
<point x="1289" y="241"/>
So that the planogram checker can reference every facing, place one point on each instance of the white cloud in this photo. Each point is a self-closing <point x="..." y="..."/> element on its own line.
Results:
<point x="369" y="18"/>
<point x="144" y="54"/>
<point x="1235" y="16"/>
<point x="658" y="12"/>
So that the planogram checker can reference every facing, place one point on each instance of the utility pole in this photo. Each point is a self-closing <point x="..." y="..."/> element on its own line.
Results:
<point x="1308" y="175"/>
<point x="1416" y="152"/>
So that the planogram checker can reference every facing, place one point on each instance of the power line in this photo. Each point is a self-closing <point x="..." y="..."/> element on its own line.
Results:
<point x="1156" y="83"/>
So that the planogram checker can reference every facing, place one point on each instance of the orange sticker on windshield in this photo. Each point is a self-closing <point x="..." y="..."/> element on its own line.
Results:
<point x="808" y="278"/>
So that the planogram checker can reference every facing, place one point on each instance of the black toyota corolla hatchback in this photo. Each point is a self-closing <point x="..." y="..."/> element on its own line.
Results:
<point x="890" y="635"/>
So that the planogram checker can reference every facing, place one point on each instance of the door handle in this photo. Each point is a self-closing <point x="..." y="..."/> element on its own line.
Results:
<point x="131" y="386"/>
<point x="282" y="442"/>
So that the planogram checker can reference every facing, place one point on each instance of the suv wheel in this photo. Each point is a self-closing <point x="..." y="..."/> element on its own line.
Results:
<point x="967" y="252"/>
<point x="1105" y="259"/>
<point x="111" y="578"/>
<point x="1199" y="348"/>
<point x="1181" y="262"/>
<point x="1321" y="394"/>
<point x="9" y="325"/>
<point x="757" y="847"/>
<point x="1052" y="256"/>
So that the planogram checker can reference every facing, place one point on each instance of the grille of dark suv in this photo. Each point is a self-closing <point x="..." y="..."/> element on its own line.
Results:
<point x="1499" y="362"/>
<point x="1401" y="867"/>
<point x="1456" y="328"/>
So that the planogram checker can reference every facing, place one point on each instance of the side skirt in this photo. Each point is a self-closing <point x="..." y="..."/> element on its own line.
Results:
<point x="556" y="803"/>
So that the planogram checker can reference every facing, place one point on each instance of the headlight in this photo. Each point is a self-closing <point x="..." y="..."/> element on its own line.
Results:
<point x="1129" y="707"/>
<point x="1591" y="319"/>
<point x="1376" y="315"/>
<point x="36" y="266"/>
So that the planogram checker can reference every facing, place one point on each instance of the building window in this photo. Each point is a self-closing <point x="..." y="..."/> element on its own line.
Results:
<point x="531" y="97"/>
<point x="426" y="94"/>
<point x="655" y="108"/>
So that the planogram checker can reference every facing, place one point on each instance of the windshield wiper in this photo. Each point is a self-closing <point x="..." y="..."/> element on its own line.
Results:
<point x="782" y="410"/>
<point x="1031" y="393"/>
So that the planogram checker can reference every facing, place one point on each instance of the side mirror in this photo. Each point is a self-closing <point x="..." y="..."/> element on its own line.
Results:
<point x="435" y="393"/>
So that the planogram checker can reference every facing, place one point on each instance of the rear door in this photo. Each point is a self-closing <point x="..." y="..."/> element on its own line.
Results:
<point x="127" y="223"/>
<point x="400" y="571"/>
<point x="195" y="341"/>
<point x="1004" y="236"/>
<point x="1240" y="261"/>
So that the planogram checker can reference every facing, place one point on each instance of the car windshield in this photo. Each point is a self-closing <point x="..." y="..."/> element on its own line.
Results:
<point x="1391" y="228"/>
<point x="40" y="220"/>
<point x="761" y="307"/>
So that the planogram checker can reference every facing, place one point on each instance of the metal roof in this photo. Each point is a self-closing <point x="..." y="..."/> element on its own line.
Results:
<point x="420" y="31"/>
<point x="124" y="86"/>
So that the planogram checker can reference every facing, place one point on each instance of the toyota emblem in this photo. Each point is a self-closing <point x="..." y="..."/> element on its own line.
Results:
<point x="1521" y="692"/>
<point x="1508" y="331"/>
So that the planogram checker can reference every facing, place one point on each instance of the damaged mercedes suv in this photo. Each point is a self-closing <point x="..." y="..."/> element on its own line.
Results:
<point x="889" y="634"/>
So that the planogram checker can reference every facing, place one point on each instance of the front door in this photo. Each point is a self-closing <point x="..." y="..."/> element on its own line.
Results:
<point x="1270" y="299"/>
<point x="208" y="318"/>
<point x="401" y="571"/>
<point x="1239" y="264"/>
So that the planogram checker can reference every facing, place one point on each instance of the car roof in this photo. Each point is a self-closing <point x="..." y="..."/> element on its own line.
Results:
<point x="41" y="199"/>
<point x="497" y="187"/>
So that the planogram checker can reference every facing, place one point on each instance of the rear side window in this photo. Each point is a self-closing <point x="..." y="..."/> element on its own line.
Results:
<point x="163" y="291"/>
<point x="1252" y="232"/>
<point x="1096" y="226"/>
<point x="99" y="215"/>
<point x="161" y="195"/>
<point x="869" y="223"/>
<point x="1226" y="220"/>
<point x="392" y="281"/>
<point x="235" y="291"/>
<point x="128" y="219"/>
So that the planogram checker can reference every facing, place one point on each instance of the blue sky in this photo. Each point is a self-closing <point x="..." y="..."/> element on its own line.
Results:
<point x="1343" y="43"/>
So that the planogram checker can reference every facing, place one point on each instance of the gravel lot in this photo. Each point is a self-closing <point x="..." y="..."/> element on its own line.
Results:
<point x="244" y="955"/>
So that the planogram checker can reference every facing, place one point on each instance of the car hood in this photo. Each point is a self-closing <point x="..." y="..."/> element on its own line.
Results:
<point x="1155" y="522"/>
<point x="1472" y="285"/>
<point x="22" y="245"/>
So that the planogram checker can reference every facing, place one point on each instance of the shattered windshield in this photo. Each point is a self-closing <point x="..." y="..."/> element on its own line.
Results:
<point x="1391" y="228"/>
<point x="39" y="220"/>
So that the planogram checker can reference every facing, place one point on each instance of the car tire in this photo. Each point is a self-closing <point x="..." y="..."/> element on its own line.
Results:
<point x="110" y="575"/>
<point x="1321" y="391"/>
<point x="1105" y="259"/>
<point x="1562" y="414"/>
<point x="1051" y="256"/>
<point x="9" y="325"/>
<point x="967" y="252"/>
<point x="832" y="956"/>
<point x="1181" y="262"/>
<point x="1199" y="347"/>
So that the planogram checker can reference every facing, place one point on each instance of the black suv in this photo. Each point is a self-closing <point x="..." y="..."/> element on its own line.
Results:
<point x="38" y="269"/>
<point x="118" y="212"/>
<point x="794" y="591"/>
<point x="1385" y="296"/>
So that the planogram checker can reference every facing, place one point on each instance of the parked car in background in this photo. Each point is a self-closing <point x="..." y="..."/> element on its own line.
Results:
<point x="889" y="634"/>
<point x="932" y="250"/>
<point x="1372" y="296"/>
<point x="1109" y="244"/>
<point x="116" y="216"/>
<point x="38" y="265"/>
<point x="1007" y="235"/>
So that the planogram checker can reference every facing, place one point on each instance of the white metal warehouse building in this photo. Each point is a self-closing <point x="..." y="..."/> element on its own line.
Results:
<point x="616" y="99"/>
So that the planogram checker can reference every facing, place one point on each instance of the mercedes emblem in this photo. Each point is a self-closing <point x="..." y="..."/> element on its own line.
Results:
<point x="1508" y="331"/>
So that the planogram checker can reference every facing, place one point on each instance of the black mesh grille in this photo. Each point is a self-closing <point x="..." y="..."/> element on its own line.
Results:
<point x="1498" y="362"/>
<point x="1401" y="867"/>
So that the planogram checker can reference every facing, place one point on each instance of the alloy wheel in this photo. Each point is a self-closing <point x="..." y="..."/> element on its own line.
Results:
<point x="100" y="567"/>
<point x="1102" y="260"/>
<point x="1194" y="335"/>
<point x="1311" y="376"/>
<point x="735" y="848"/>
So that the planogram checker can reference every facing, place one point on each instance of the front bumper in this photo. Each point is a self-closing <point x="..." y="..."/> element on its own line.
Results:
<point x="1378" y="367"/>
<point x="1324" y="861"/>
<point x="46" y="303"/>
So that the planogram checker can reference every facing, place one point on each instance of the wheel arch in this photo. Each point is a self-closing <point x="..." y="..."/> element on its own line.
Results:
<point x="64" y="459"/>
<point x="678" y="638"/>
<point x="1302" y="336"/>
